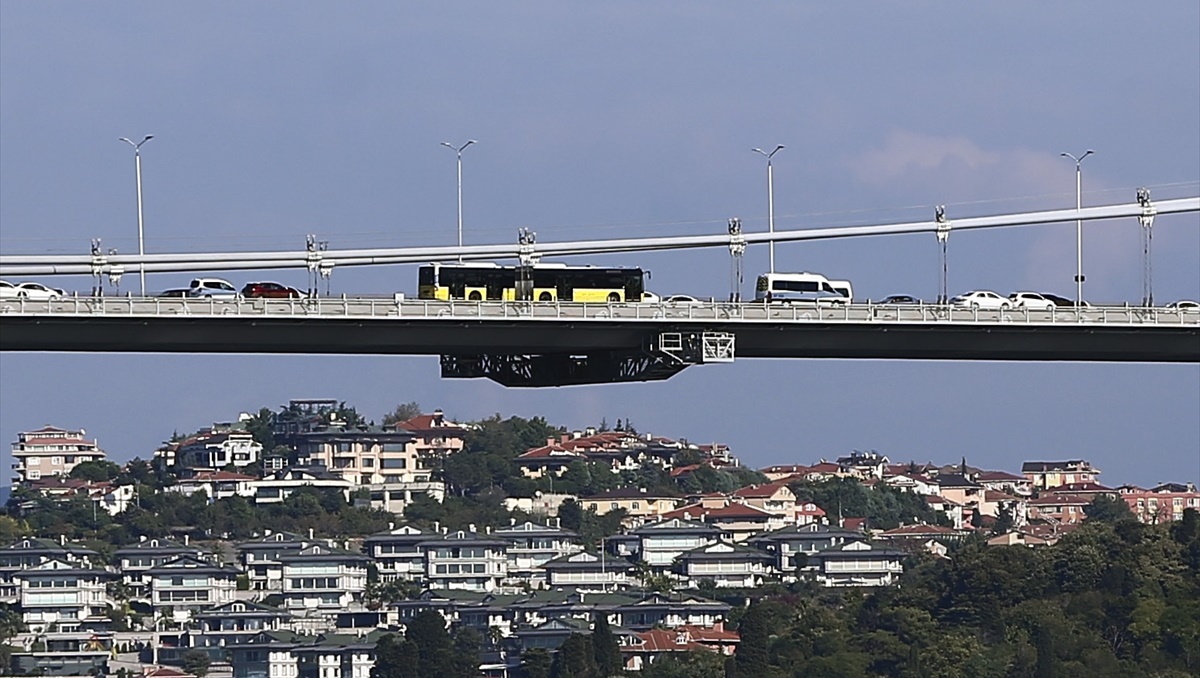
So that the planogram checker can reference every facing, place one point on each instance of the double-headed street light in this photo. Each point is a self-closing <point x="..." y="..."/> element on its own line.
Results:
<point x="137" y="163"/>
<point x="458" y="152"/>
<point x="770" y="198"/>
<point x="1078" y="226"/>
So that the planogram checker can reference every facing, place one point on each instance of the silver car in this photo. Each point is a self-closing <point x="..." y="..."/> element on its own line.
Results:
<point x="1031" y="300"/>
<point x="981" y="299"/>
<point x="212" y="288"/>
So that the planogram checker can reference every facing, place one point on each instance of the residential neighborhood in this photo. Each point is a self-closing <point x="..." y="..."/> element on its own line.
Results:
<point x="295" y="540"/>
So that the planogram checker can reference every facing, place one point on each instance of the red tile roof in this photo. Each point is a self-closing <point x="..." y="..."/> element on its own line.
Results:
<point x="665" y="640"/>
<point x="760" y="491"/>
<point x="430" y="422"/>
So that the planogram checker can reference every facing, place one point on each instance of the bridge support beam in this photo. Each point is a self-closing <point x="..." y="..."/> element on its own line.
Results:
<point x="664" y="357"/>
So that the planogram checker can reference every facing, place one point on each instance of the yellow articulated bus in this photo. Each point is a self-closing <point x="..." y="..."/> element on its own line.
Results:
<point x="543" y="282"/>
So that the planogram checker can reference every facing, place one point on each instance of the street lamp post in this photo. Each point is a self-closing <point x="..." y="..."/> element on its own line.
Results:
<point x="770" y="199"/>
<point x="137" y="162"/>
<point x="458" y="153"/>
<point x="1078" y="226"/>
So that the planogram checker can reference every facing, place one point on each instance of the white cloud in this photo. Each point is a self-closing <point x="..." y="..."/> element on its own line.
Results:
<point x="1015" y="180"/>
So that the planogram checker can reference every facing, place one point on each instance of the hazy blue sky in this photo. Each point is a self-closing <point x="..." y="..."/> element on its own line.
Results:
<point x="615" y="119"/>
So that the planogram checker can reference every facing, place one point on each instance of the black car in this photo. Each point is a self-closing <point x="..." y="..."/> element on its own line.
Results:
<point x="898" y="299"/>
<point x="1061" y="301"/>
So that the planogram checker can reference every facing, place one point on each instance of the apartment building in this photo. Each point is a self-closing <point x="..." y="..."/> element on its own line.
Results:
<point x="66" y="595"/>
<point x="725" y="564"/>
<point x="217" y="447"/>
<point x="1161" y="504"/>
<point x="49" y="452"/>
<point x="138" y="559"/>
<point x="466" y="560"/>
<point x="531" y="546"/>
<point x="1045" y="475"/>
<point x="188" y="584"/>
<point x="321" y="578"/>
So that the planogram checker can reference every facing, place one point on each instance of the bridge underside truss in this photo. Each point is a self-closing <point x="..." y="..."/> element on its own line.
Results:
<point x="664" y="357"/>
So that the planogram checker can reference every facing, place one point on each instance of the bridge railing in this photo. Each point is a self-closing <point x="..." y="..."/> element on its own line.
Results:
<point x="700" y="312"/>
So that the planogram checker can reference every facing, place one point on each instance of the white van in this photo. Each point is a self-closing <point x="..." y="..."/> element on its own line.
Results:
<point x="802" y="287"/>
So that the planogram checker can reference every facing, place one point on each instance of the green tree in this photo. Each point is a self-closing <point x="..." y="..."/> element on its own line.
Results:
<point x="395" y="657"/>
<point x="535" y="663"/>
<point x="403" y="412"/>
<point x="465" y="658"/>
<point x="195" y="662"/>
<point x="574" y="659"/>
<point x="1105" y="508"/>
<point x="12" y="529"/>
<point x="570" y="515"/>
<point x="427" y="631"/>
<point x="96" y="471"/>
<point x="605" y="648"/>
<point x="262" y="426"/>
<point x="753" y="654"/>
<point x="690" y="664"/>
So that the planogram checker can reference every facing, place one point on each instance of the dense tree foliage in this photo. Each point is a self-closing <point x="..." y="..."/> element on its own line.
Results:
<point x="884" y="507"/>
<point x="574" y="659"/>
<point x="96" y="471"/>
<point x="427" y="650"/>
<point x="605" y="649"/>
<point x="403" y="412"/>
<point x="691" y="664"/>
<point x="535" y="663"/>
<point x="1110" y="599"/>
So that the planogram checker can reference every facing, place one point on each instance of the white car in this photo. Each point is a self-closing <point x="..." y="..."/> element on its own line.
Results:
<point x="36" y="291"/>
<point x="212" y="288"/>
<point x="7" y="290"/>
<point x="1031" y="300"/>
<point x="1184" y="305"/>
<point x="682" y="300"/>
<point x="981" y="299"/>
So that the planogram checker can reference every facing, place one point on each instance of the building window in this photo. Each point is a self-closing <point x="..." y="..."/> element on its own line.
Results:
<point x="56" y="461"/>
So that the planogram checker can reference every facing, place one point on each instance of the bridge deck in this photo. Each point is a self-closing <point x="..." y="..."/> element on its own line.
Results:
<point x="398" y="326"/>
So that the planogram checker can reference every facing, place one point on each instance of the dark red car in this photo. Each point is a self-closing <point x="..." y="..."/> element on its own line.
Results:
<point x="270" y="290"/>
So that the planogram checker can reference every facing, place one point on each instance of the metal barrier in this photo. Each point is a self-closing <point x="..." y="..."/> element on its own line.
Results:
<point x="707" y="313"/>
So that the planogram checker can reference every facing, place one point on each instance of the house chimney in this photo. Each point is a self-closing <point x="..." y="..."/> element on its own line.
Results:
<point x="550" y="442"/>
<point x="471" y="527"/>
<point x="487" y="529"/>
<point x="310" y="533"/>
<point x="142" y="538"/>
<point x="62" y="540"/>
<point x="187" y="538"/>
<point x="267" y="532"/>
<point x="437" y="526"/>
<point x="512" y="521"/>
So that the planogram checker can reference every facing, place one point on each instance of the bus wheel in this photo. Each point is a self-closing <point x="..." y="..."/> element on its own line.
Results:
<point x="475" y="296"/>
<point x="544" y="296"/>
<point x="613" y="297"/>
